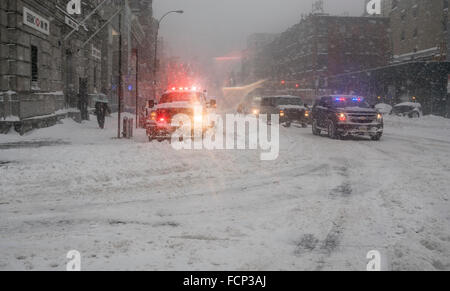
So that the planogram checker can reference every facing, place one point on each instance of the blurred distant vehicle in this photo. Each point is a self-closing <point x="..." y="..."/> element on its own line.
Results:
<point x="342" y="116"/>
<point x="290" y="108"/>
<point x="384" y="108"/>
<point x="251" y="105"/>
<point x="408" y="109"/>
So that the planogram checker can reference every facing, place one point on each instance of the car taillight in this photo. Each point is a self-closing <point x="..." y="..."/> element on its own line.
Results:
<point x="162" y="117"/>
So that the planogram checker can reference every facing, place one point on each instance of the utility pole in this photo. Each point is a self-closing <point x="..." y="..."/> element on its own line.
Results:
<point x="120" y="93"/>
<point x="137" y="87"/>
<point x="155" y="63"/>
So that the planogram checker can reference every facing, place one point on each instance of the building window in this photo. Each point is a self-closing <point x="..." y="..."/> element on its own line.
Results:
<point x="403" y="16"/>
<point x="34" y="64"/>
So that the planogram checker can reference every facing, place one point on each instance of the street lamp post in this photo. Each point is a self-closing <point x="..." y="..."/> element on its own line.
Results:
<point x="155" y="64"/>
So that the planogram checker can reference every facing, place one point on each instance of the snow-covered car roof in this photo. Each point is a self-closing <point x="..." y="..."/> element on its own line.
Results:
<point x="410" y="104"/>
<point x="291" y="106"/>
<point x="383" y="107"/>
<point x="179" y="104"/>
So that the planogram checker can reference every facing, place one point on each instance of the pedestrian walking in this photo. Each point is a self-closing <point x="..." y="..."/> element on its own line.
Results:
<point x="101" y="110"/>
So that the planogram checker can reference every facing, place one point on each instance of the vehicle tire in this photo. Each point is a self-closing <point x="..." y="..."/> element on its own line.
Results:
<point x="332" y="131"/>
<point x="415" y="115"/>
<point x="287" y="124"/>
<point x="150" y="139"/>
<point x="315" y="130"/>
<point x="304" y="125"/>
<point x="376" y="137"/>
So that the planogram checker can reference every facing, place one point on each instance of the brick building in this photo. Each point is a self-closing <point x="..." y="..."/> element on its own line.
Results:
<point x="418" y="70"/>
<point x="419" y="29"/>
<point x="321" y="46"/>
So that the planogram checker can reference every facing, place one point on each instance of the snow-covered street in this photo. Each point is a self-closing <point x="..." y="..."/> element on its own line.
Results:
<point x="130" y="204"/>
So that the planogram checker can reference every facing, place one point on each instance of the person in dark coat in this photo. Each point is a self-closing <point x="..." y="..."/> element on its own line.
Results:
<point x="101" y="113"/>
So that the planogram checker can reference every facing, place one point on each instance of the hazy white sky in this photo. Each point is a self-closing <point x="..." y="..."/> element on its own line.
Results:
<point x="217" y="27"/>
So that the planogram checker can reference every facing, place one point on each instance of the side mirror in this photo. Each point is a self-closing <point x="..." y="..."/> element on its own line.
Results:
<point x="213" y="103"/>
<point x="151" y="103"/>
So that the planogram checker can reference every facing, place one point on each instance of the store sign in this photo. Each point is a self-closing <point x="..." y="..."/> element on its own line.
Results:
<point x="36" y="21"/>
<point x="96" y="53"/>
<point x="71" y="23"/>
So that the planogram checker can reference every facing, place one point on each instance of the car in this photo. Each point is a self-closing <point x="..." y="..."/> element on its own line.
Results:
<point x="408" y="109"/>
<point x="383" y="108"/>
<point x="251" y="105"/>
<point x="342" y="116"/>
<point x="290" y="108"/>
<point x="188" y="102"/>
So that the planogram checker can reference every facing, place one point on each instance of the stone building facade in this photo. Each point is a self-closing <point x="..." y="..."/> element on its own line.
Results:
<point x="31" y="78"/>
<point x="44" y="71"/>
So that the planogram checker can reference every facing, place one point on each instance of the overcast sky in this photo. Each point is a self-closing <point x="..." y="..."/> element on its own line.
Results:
<point x="218" y="27"/>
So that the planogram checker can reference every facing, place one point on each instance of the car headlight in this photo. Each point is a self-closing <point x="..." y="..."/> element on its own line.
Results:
<point x="255" y="111"/>
<point x="379" y="117"/>
<point x="342" y="117"/>
<point x="198" y="118"/>
<point x="282" y="113"/>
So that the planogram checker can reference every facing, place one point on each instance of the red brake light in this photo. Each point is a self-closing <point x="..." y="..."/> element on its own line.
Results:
<point x="162" y="117"/>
